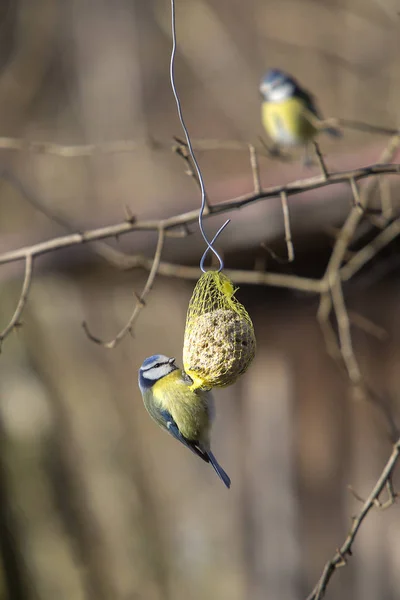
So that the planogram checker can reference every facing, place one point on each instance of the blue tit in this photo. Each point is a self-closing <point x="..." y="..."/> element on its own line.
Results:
<point x="184" y="413"/>
<point x="288" y="110"/>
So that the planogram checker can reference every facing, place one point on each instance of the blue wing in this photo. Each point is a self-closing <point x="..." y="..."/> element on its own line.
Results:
<point x="310" y="103"/>
<point x="205" y="455"/>
<point x="173" y="429"/>
<point x="166" y="421"/>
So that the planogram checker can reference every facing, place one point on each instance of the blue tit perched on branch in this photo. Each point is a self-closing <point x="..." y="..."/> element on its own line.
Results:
<point x="289" y="112"/>
<point x="184" y="413"/>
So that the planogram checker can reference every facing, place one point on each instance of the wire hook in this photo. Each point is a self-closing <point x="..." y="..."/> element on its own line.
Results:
<point x="210" y="246"/>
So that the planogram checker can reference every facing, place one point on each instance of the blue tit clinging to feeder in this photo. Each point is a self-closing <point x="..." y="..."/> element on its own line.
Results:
<point x="288" y="110"/>
<point x="184" y="413"/>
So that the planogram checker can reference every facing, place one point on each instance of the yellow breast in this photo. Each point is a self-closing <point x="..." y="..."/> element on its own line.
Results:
<point x="286" y="123"/>
<point x="188" y="409"/>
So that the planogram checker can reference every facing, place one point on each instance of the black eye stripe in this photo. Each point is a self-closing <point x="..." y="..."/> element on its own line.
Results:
<point x="156" y="366"/>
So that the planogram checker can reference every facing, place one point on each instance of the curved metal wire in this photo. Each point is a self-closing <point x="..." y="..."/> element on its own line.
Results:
<point x="210" y="246"/>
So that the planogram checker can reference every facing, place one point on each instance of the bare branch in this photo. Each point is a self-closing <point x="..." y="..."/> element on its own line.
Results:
<point x="140" y="301"/>
<point x="15" y="319"/>
<point x="288" y="232"/>
<point x="125" y="227"/>
<point x="126" y="146"/>
<point x="340" y="268"/>
<point x="370" y="250"/>
<point x="334" y="273"/>
<point x="323" y="313"/>
<point x="255" y="169"/>
<point x="386" y="198"/>
<point x="181" y="150"/>
<point x="345" y="551"/>
<point x="368" y="326"/>
<point x="346" y="345"/>
<point x="303" y="284"/>
<point x="348" y="124"/>
<point x="360" y="126"/>
<point x="321" y="160"/>
<point x="114" y="147"/>
<point x="168" y="226"/>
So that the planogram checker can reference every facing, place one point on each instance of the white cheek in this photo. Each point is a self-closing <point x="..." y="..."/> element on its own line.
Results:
<point x="280" y="93"/>
<point x="157" y="372"/>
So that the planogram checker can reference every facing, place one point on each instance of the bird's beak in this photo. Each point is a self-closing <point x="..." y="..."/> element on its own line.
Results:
<point x="171" y="361"/>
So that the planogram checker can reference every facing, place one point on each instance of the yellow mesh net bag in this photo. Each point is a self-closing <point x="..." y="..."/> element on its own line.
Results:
<point x="219" y="342"/>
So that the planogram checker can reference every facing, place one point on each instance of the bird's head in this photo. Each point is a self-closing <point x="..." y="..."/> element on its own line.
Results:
<point x="277" y="85"/>
<point x="155" y="368"/>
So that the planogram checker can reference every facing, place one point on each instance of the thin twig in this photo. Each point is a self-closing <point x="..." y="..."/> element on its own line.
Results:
<point x="380" y="401"/>
<point x="323" y="313"/>
<point x="386" y="198"/>
<point x="360" y="126"/>
<point x="368" y="326"/>
<point x="255" y="169"/>
<point x="15" y="319"/>
<point x="345" y="551"/>
<point x="346" y="345"/>
<point x="356" y="195"/>
<point x="391" y="499"/>
<point x="357" y="200"/>
<point x="333" y="273"/>
<point x="366" y="253"/>
<point x="322" y="124"/>
<point x="181" y="150"/>
<point x="288" y="232"/>
<point x="140" y="301"/>
<point x="321" y="160"/>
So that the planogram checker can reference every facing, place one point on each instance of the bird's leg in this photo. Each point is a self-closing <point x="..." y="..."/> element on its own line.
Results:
<point x="307" y="158"/>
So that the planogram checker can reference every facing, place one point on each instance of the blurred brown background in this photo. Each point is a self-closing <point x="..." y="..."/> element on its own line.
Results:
<point x="95" y="501"/>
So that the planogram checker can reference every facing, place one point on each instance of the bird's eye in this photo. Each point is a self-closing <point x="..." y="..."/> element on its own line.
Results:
<point x="157" y="365"/>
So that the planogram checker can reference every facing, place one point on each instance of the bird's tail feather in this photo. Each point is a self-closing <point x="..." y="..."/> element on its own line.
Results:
<point x="219" y="470"/>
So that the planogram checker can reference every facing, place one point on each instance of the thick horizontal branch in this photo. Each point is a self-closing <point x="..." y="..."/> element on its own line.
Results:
<point x="130" y="225"/>
<point x="115" y="147"/>
<point x="124" y="146"/>
<point x="303" y="284"/>
<point x="304" y="185"/>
